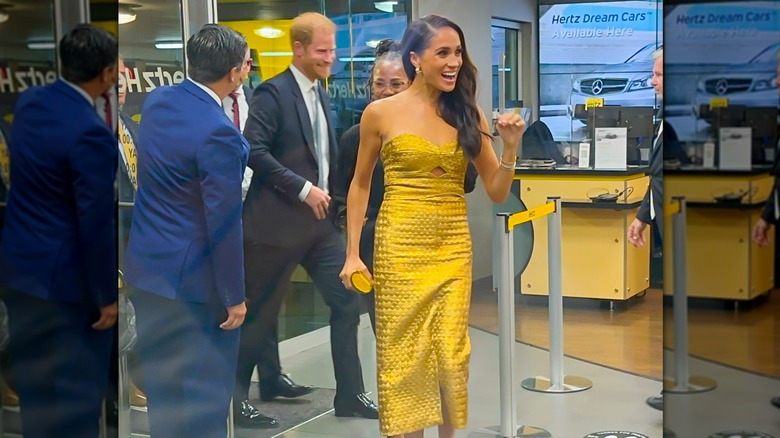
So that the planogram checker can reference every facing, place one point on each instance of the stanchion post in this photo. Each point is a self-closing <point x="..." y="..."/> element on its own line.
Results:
<point x="506" y="328"/>
<point x="555" y="294"/>
<point x="683" y="382"/>
<point x="508" y="428"/>
<point x="680" y="296"/>
<point x="558" y="382"/>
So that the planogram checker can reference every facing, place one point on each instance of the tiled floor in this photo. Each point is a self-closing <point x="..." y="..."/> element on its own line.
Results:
<point x="616" y="401"/>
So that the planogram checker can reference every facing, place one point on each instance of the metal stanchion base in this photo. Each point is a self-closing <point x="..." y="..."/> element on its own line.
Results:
<point x="740" y="434"/>
<point x="695" y="384"/>
<point x="522" y="432"/>
<point x="570" y="384"/>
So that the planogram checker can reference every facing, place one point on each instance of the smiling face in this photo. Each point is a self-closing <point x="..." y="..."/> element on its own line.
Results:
<point x="316" y="59"/>
<point x="389" y="78"/>
<point x="441" y="61"/>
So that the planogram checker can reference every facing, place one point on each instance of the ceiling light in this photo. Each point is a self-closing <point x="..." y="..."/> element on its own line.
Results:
<point x="276" y="53"/>
<point x="385" y="6"/>
<point x="4" y="16"/>
<point x="269" y="32"/>
<point x="126" y="14"/>
<point x="41" y="45"/>
<point x="165" y="45"/>
<point x="358" y="59"/>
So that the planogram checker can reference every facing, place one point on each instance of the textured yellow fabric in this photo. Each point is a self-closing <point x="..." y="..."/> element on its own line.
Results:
<point x="422" y="264"/>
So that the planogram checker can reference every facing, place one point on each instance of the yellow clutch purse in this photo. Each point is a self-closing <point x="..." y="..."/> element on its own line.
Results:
<point x="360" y="282"/>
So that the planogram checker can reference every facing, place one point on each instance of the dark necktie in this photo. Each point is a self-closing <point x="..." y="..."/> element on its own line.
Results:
<point x="236" y="116"/>
<point x="107" y="110"/>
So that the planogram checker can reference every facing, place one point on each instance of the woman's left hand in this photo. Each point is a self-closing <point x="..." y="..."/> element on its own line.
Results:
<point x="511" y="127"/>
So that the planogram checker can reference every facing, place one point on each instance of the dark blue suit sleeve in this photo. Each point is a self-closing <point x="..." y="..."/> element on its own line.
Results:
<point x="93" y="163"/>
<point x="261" y="129"/>
<point x="221" y="163"/>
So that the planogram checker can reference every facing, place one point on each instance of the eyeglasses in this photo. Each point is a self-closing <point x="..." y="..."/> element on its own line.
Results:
<point x="394" y="85"/>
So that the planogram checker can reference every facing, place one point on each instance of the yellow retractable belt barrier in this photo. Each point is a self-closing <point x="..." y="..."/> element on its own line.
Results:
<point x="671" y="209"/>
<point x="528" y="215"/>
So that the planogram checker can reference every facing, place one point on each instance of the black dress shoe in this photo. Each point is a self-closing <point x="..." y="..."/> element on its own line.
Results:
<point x="248" y="416"/>
<point x="282" y="387"/>
<point x="357" y="406"/>
<point x="776" y="401"/>
<point x="656" y="402"/>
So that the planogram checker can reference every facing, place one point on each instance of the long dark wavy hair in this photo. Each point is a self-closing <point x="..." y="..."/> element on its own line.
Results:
<point x="459" y="107"/>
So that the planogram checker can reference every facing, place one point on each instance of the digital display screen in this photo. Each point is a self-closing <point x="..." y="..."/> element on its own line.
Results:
<point x="598" y="50"/>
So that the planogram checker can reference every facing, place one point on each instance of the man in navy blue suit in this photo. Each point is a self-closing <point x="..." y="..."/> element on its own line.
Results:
<point x="58" y="250"/>
<point x="184" y="260"/>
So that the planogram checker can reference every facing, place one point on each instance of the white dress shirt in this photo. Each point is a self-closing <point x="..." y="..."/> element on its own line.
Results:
<point x="307" y="90"/>
<point x="243" y="113"/>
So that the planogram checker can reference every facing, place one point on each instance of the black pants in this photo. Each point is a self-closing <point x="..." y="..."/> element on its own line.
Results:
<point x="59" y="365"/>
<point x="268" y="272"/>
<point x="367" y="255"/>
<point x="188" y="364"/>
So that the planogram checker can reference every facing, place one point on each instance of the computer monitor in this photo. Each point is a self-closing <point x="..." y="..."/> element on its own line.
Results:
<point x="763" y="124"/>
<point x="728" y="117"/>
<point x="763" y="121"/>
<point x="604" y="116"/>
<point x="638" y="120"/>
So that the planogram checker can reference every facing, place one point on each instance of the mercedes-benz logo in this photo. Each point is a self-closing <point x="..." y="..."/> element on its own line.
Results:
<point x="597" y="86"/>
<point x="722" y="87"/>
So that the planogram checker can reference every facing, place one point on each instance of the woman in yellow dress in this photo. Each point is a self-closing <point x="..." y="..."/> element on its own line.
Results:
<point x="422" y="262"/>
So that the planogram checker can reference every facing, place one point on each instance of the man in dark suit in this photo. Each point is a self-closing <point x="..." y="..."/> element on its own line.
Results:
<point x="288" y="220"/>
<point x="184" y="259"/>
<point x="651" y="209"/>
<point x="57" y="253"/>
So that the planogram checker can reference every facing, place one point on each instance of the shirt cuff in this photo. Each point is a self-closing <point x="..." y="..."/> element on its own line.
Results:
<point x="305" y="191"/>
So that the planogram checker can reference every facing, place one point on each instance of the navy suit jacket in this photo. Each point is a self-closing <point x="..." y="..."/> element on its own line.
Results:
<point x="283" y="158"/>
<point x="58" y="238"/>
<point x="186" y="239"/>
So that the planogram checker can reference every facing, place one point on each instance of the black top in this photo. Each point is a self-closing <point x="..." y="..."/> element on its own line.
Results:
<point x="348" y="150"/>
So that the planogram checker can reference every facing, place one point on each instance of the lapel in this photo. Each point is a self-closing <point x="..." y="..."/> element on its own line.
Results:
<point x="303" y="113"/>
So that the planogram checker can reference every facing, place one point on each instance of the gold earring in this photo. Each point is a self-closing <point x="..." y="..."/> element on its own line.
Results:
<point x="418" y="70"/>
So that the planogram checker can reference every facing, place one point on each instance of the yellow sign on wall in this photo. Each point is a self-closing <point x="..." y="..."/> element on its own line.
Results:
<point x="594" y="102"/>
<point x="719" y="102"/>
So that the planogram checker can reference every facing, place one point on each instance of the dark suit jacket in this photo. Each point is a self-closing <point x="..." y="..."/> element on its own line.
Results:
<point x="186" y="239"/>
<point x="656" y="185"/>
<point x="58" y="240"/>
<point x="283" y="158"/>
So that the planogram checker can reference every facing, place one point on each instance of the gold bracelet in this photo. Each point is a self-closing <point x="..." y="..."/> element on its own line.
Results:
<point x="504" y="166"/>
<point x="508" y="163"/>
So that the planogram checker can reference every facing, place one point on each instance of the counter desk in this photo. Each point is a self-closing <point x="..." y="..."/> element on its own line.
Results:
<point x="597" y="260"/>
<point x="722" y="260"/>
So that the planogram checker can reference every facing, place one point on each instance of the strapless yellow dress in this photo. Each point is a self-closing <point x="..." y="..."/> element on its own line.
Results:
<point x="422" y="264"/>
